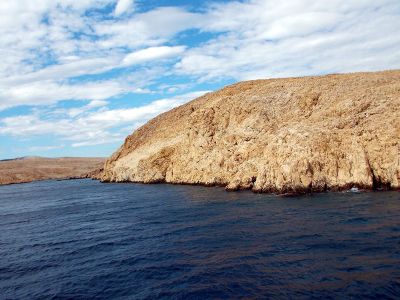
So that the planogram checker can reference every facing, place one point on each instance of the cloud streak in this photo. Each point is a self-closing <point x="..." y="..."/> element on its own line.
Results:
<point x="88" y="126"/>
<point x="270" y="39"/>
<point x="151" y="54"/>
<point x="249" y="39"/>
<point x="123" y="6"/>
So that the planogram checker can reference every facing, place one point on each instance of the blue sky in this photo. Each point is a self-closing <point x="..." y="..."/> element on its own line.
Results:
<point x="76" y="77"/>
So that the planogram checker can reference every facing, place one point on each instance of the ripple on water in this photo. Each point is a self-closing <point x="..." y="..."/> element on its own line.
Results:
<point x="82" y="239"/>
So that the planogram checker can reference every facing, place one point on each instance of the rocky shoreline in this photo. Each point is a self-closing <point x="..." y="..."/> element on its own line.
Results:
<point x="291" y="191"/>
<point x="285" y="136"/>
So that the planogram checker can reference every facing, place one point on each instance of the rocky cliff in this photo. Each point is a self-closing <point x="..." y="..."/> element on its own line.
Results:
<point x="279" y="135"/>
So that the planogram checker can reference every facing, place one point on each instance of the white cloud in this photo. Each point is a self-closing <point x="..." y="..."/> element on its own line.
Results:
<point x="292" y="38"/>
<point x="123" y="6"/>
<point x="97" y="103"/>
<point x="49" y="92"/>
<point x="44" y="148"/>
<point x="48" y="43"/>
<point x="145" y="112"/>
<point x="90" y="127"/>
<point x="73" y="112"/>
<point x="71" y="67"/>
<point x="152" y="54"/>
<point x="151" y="28"/>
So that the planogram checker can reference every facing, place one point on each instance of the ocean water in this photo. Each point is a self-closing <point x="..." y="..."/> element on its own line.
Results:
<point x="81" y="239"/>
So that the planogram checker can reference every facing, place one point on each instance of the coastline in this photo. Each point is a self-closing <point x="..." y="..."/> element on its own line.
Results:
<point x="287" y="135"/>
<point x="296" y="191"/>
<point x="30" y="169"/>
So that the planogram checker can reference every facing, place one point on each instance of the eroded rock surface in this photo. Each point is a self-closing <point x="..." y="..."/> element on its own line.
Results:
<point x="278" y="135"/>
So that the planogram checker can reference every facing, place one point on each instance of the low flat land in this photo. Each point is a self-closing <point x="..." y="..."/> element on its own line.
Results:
<point x="29" y="169"/>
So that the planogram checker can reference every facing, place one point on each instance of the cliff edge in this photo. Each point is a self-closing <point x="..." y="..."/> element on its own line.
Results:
<point x="277" y="135"/>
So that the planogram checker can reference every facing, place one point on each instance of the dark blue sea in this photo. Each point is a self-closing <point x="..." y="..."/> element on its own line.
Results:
<point x="81" y="239"/>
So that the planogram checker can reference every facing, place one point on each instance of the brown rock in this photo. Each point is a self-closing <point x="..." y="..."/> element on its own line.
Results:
<point x="279" y="135"/>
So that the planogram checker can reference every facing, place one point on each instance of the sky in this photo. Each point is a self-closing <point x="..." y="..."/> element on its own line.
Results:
<point x="76" y="77"/>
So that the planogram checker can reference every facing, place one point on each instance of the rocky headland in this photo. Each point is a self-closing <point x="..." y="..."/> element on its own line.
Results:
<point x="27" y="169"/>
<point x="290" y="135"/>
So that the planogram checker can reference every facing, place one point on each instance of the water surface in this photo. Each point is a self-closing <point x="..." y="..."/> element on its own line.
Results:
<point x="82" y="239"/>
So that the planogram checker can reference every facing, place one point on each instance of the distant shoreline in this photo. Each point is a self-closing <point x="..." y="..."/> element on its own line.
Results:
<point x="30" y="169"/>
<point x="47" y="179"/>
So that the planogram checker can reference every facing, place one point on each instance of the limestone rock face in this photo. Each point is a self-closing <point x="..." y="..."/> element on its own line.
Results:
<point x="278" y="135"/>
